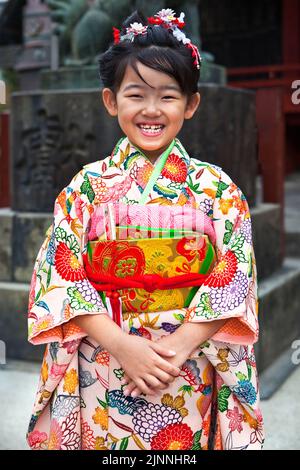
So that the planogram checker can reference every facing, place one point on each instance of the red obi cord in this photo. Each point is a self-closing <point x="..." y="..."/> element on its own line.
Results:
<point x="149" y="282"/>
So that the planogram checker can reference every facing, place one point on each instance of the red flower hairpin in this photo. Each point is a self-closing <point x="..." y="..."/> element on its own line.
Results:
<point x="166" y="18"/>
<point x="116" y="35"/>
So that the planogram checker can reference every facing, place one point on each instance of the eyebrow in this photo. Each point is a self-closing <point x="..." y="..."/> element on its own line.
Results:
<point x="164" y="87"/>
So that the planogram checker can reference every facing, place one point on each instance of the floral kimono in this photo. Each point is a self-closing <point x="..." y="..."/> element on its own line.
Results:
<point x="214" y="402"/>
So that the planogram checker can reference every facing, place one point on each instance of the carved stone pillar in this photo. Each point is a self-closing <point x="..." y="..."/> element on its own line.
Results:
<point x="37" y="43"/>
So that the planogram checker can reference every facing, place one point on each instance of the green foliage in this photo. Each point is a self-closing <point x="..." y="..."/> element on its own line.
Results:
<point x="223" y="396"/>
<point x="196" y="440"/>
<point x="87" y="189"/>
<point x="124" y="443"/>
<point x="221" y="187"/>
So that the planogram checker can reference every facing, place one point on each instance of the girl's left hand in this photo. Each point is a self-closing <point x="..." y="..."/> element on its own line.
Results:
<point x="173" y="342"/>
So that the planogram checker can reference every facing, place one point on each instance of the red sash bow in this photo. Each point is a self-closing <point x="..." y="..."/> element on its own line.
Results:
<point x="149" y="282"/>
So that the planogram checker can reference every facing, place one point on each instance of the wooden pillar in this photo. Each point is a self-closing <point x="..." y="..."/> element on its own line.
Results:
<point x="271" y="147"/>
<point x="291" y="55"/>
<point x="290" y="31"/>
<point x="4" y="160"/>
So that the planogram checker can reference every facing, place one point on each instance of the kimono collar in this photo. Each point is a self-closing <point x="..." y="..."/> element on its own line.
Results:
<point x="169" y="183"/>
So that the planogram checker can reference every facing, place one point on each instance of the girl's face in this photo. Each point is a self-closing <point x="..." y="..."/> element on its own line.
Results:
<point x="150" y="115"/>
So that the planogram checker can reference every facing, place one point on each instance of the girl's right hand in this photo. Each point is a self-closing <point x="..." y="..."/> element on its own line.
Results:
<point x="142" y="361"/>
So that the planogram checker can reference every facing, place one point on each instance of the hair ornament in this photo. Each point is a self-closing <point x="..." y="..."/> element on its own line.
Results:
<point x="116" y="35"/>
<point x="167" y="19"/>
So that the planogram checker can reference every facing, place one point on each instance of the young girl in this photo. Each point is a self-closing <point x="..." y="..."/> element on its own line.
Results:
<point x="175" y="379"/>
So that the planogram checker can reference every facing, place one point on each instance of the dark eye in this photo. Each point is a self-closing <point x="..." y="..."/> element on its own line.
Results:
<point x="169" y="97"/>
<point x="135" y="96"/>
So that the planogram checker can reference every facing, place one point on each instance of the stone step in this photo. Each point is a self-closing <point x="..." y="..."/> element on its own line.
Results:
<point x="21" y="235"/>
<point x="293" y="243"/>
<point x="13" y="322"/>
<point x="279" y="308"/>
<point x="292" y="215"/>
<point x="266" y="238"/>
<point x="272" y="378"/>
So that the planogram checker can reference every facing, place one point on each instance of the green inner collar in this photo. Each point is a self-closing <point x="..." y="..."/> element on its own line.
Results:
<point x="158" y="166"/>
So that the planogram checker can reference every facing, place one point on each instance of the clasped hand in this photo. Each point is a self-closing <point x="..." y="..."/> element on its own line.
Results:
<point x="150" y="366"/>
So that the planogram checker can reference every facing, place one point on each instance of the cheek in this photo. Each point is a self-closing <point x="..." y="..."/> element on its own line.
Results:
<point x="127" y="112"/>
<point x="176" y="116"/>
<point x="177" y="110"/>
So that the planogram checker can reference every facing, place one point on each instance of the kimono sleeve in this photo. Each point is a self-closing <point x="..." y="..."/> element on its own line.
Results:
<point x="230" y="291"/>
<point x="59" y="288"/>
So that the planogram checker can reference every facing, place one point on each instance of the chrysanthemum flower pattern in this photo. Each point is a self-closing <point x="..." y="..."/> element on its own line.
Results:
<point x="173" y="437"/>
<point x="206" y="205"/>
<point x="88" y="438"/>
<point x="175" y="169"/>
<point x="67" y="264"/>
<point x="246" y="230"/>
<point x="88" y="293"/>
<point x="149" y="419"/>
<point x="230" y="296"/>
<point x="224" y="271"/>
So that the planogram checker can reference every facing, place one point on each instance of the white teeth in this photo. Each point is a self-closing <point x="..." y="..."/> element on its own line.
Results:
<point x="151" y="129"/>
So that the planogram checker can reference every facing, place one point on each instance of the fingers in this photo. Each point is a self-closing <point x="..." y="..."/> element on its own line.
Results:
<point x="164" y="364"/>
<point x="163" y="376"/>
<point x="132" y="390"/>
<point x="154" y="382"/>
<point x="158" y="378"/>
<point x="168" y="367"/>
<point x="128" y="390"/>
<point x="141" y="385"/>
<point x="162" y="351"/>
<point x="136" y="392"/>
<point x="125" y="380"/>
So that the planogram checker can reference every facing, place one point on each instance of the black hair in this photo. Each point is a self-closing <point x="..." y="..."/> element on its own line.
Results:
<point x="157" y="49"/>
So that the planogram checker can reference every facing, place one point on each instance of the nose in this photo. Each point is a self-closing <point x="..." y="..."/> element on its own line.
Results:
<point x="151" y="108"/>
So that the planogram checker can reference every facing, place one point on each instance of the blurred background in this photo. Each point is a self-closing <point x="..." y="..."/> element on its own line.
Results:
<point x="52" y="122"/>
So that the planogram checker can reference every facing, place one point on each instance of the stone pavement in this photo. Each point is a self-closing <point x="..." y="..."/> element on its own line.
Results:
<point x="18" y="383"/>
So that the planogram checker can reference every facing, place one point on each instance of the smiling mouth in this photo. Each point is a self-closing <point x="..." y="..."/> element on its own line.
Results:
<point x="151" y="129"/>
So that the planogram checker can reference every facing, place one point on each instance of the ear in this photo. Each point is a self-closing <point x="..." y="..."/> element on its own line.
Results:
<point x="110" y="102"/>
<point x="192" y="105"/>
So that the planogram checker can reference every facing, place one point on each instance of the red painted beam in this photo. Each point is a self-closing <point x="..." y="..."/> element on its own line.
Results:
<point x="263" y="69"/>
<point x="267" y="83"/>
<point x="271" y="148"/>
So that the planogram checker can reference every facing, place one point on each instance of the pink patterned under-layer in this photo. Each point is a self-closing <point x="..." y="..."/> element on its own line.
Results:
<point x="156" y="216"/>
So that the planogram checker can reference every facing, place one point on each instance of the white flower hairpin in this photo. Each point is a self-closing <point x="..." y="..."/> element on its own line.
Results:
<point x="167" y="19"/>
